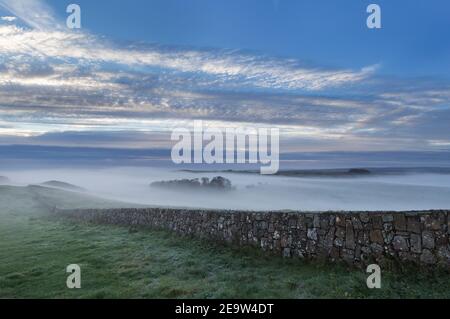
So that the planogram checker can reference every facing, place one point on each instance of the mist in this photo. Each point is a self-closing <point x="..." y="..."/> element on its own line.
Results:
<point x="252" y="191"/>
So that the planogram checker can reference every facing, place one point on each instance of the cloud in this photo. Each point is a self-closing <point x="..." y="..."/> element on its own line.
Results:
<point x="35" y="13"/>
<point x="8" y="19"/>
<point x="54" y="80"/>
<point x="222" y="67"/>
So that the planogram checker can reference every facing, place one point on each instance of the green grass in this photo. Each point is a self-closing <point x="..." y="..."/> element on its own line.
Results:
<point x="35" y="250"/>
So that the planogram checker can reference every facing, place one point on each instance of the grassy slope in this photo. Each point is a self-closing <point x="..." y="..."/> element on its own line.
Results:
<point x="35" y="249"/>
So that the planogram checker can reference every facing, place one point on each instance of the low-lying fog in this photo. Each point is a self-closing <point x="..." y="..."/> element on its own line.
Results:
<point x="256" y="192"/>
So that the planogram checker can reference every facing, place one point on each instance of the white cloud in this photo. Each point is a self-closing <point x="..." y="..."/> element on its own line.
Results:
<point x="53" y="79"/>
<point x="8" y="19"/>
<point x="225" y="66"/>
<point x="35" y="13"/>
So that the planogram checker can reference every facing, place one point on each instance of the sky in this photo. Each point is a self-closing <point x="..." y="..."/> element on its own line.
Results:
<point x="139" y="68"/>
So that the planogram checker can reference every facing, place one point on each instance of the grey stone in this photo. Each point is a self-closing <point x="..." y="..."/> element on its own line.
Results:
<point x="364" y="217"/>
<point x="316" y="221"/>
<point x="348" y="255"/>
<point x="427" y="257"/>
<point x="444" y="253"/>
<point x="340" y="221"/>
<point x="376" y="248"/>
<point x="356" y="223"/>
<point x="340" y="232"/>
<point x="388" y="236"/>
<point x="376" y="236"/>
<point x="400" y="243"/>
<point x="413" y="225"/>
<point x="292" y="223"/>
<point x="338" y="242"/>
<point x="399" y="222"/>
<point x="437" y="221"/>
<point x="428" y="239"/>
<point x="416" y="243"/>
<point x="433" y="222"/>
<point x="350" y="236"/>
<point x="312" y="234"/>
<point x="287" y="253"/>
<point x="356" y="238"/>
<point x="377" y="222"/>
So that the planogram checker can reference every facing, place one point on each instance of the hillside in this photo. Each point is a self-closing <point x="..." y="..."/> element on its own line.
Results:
<point x="63" y="185"/>
<point x="39" y="199"/>
<point x="35" y="249"/>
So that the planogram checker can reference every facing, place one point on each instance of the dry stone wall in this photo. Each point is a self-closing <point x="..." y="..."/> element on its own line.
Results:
<point x="357" y="238"/>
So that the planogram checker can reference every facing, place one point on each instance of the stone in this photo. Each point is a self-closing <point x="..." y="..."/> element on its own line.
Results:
<point x="357" y="238"/>
<point x="400" y="243"/>
<point x="433" y="222"/>
<point x="312" y="234"/>
<point x="416" y="243"/>
<point x="284" y="241"/>
<point x="377" y="249"/>
<point x="388" y="236"/>
<point x="340" y="221"/>
<point x="399" y="222"/>
<point x="329" y="238"/>
<point x="413" y="225"/>
<point x="340" y="232"/>
<point x="299" y="253"/>
<point x="427" y="257"/>
<point x="335" y="253"/>
<point x="437" y="221"/>
<point x="408" y="257"/>
<point x="376" y="236"/>
<point x="332" y="221"/>
<point x="428" y="240"/>
<point x="292" y="223"/>
<point x="441" y="239"/>
<point x="311" y="247"/>
<point x="358" y="253"/>
<point x="356" y="223"/>
<point x="349" y="236"/>
<point x="324" y="222"/>
<point x="377" y="222"/>
<point x="348" y="255"/>
<point x="316" y="221"/>
<point x="338" y="242"/>
<point x="444" y="253"/>
<point x="388" y="227"/>
<point x="364" y="217"/>
<point x="287" y="253"/>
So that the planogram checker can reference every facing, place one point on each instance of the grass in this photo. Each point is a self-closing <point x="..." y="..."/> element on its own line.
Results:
<point x="117" y="263"/>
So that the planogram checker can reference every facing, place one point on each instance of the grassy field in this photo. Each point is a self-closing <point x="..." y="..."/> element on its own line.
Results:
<point x="116" y="263"/>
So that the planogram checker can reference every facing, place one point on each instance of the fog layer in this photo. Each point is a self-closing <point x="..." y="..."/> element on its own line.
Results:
<point x="255" y="192"/>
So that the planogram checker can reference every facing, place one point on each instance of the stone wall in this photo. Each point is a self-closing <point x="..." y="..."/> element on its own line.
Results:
<point x="357" y="238"/>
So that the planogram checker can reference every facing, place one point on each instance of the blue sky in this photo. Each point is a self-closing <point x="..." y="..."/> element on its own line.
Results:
<point x="139" y="68"/>
<point x="413" y="40"/>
